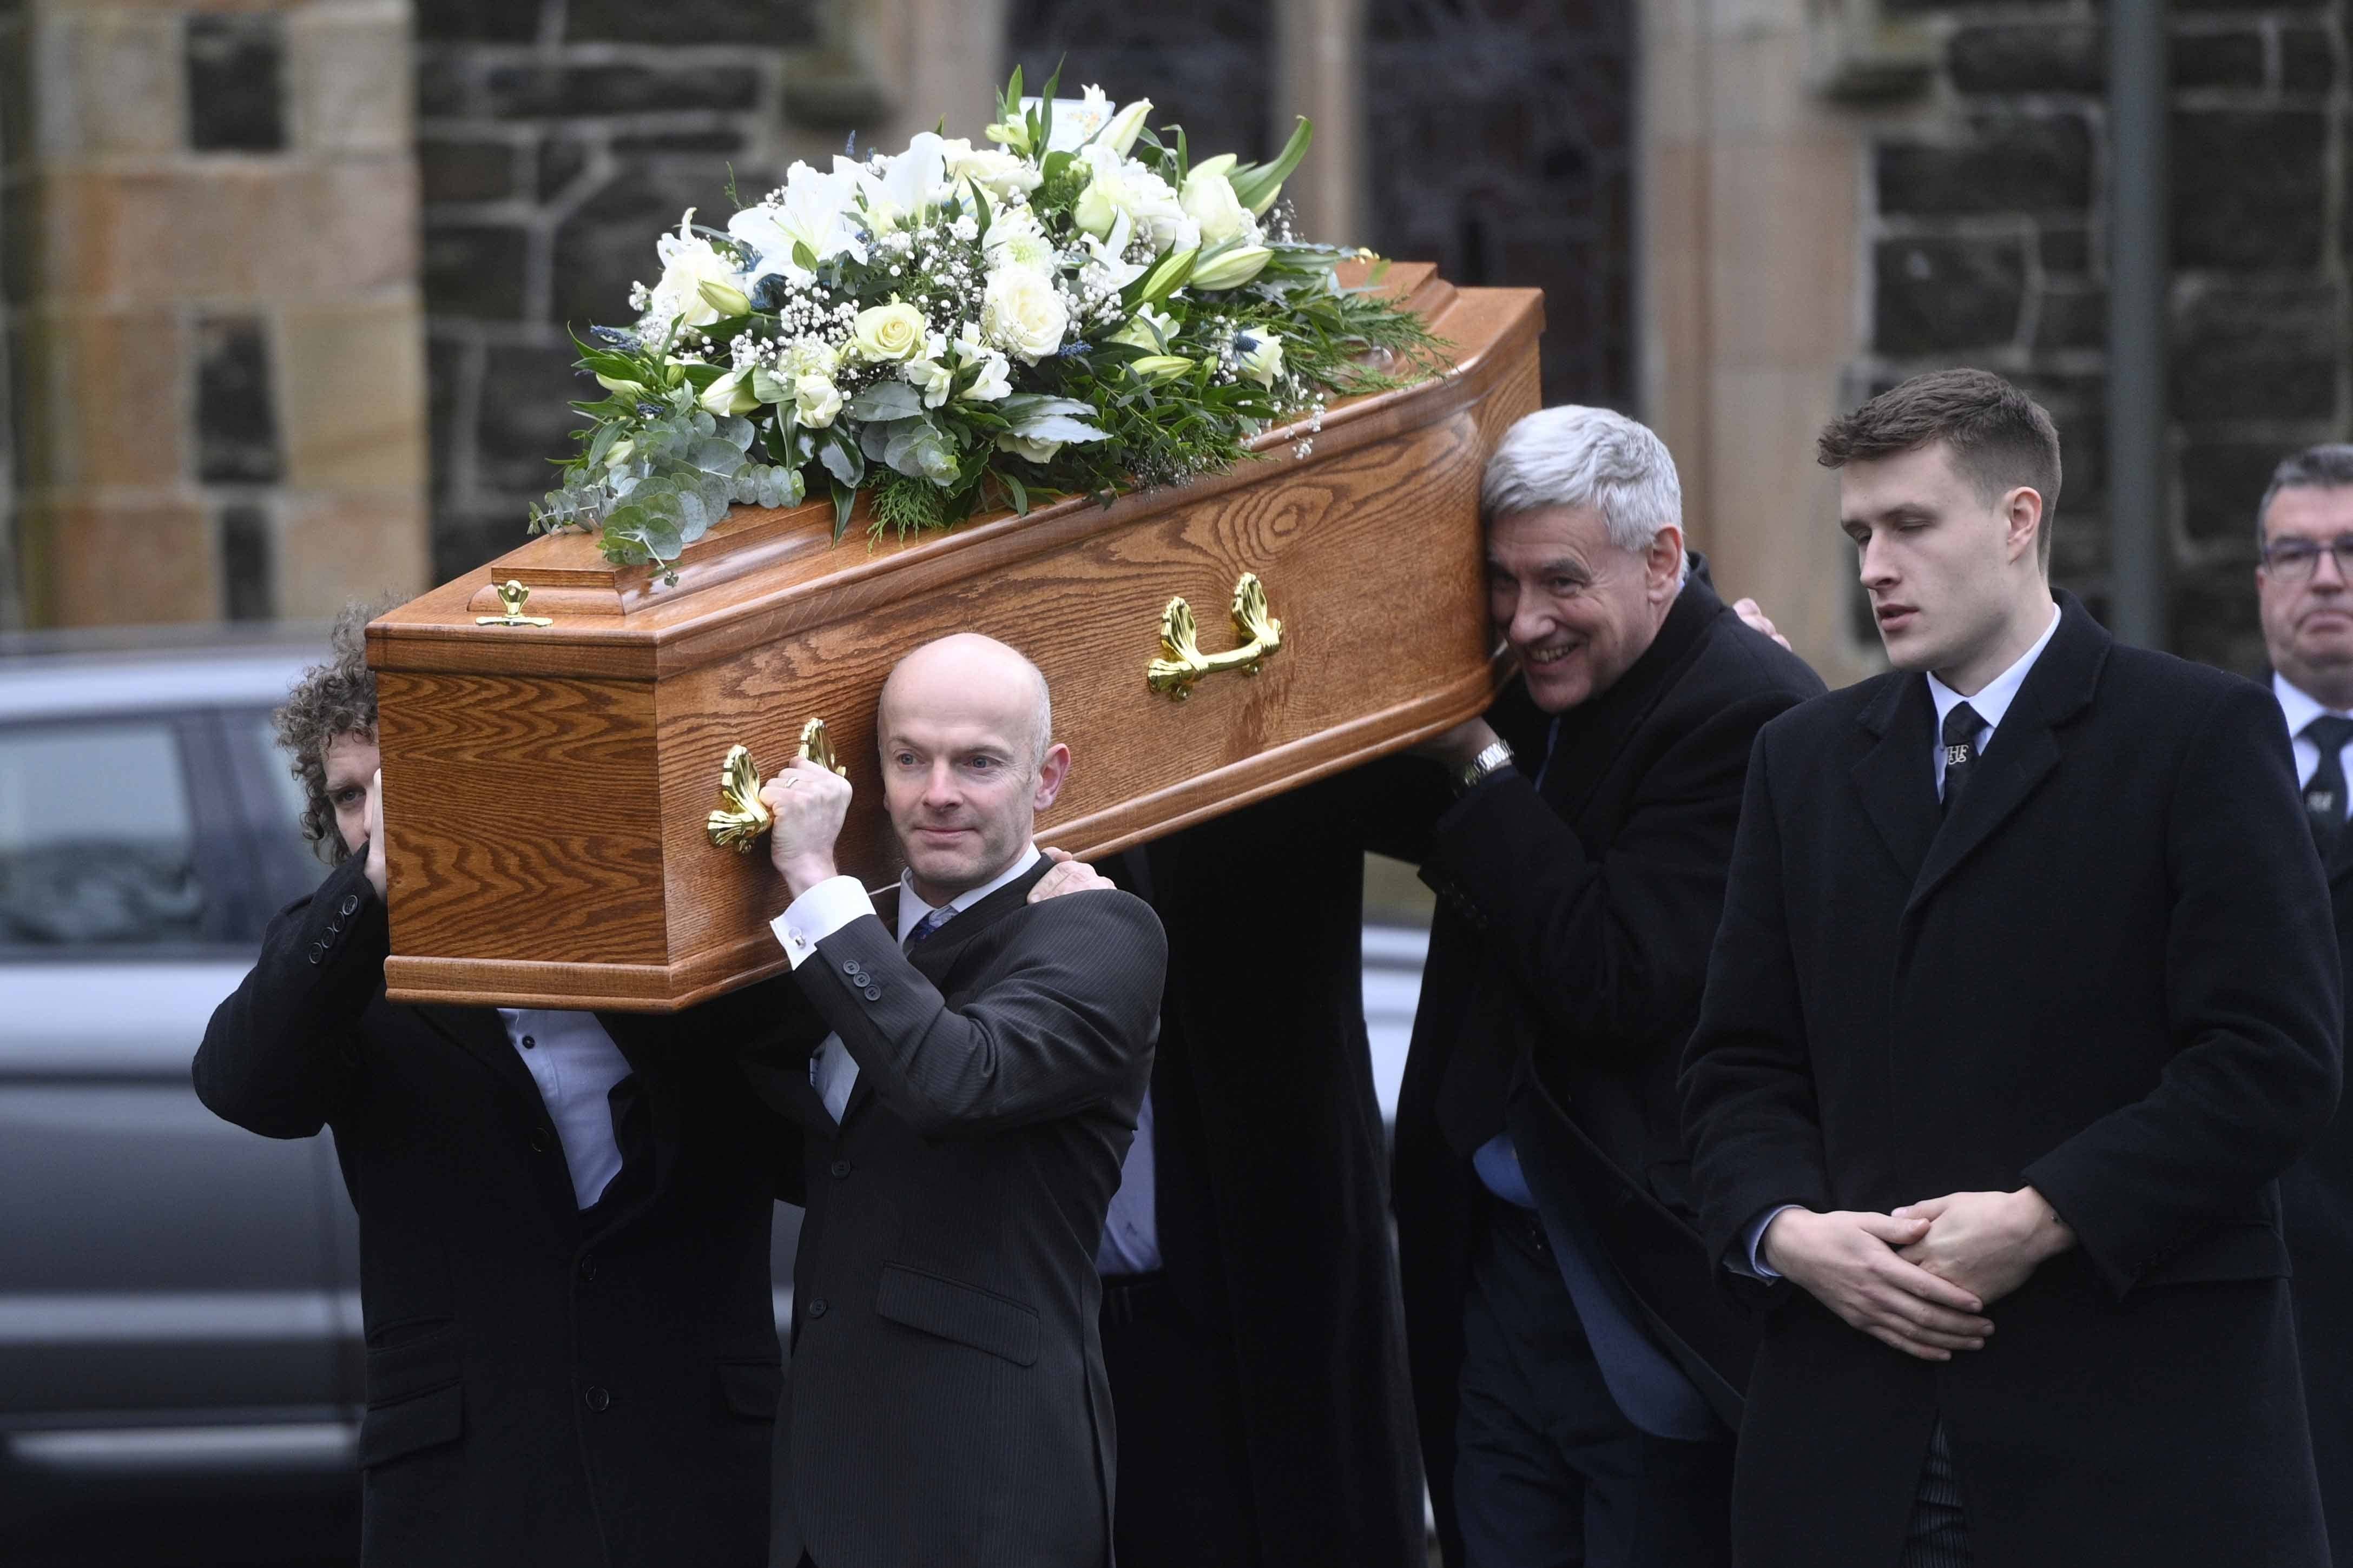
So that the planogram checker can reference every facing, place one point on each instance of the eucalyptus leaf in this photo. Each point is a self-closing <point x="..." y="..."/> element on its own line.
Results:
<point x="891" y="399"/>
<point x="1060" y="428"/>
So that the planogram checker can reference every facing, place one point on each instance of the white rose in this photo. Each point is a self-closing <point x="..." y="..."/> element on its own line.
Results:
<point x="812" y="357"/>
<point x="1037" y="451"/>
<point x="816" y="401"/>
<point x="730" y="393"/>
<point x="688" y="262"/>
<point x="1208" y="200"/>
<point x="1015" y="239"/>
<point x="1120" y="187"/>
<point x="883" y="333"/>
<point x="1000" y="173"/>
<point x="1258" y="354"/>
<point x="1022" y="313"/>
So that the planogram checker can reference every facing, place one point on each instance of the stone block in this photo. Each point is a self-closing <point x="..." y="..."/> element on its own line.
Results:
<point x="562" y="160"/>
<point x="102" y="395"/>
<point x="354" y="413"/>
<point x="705" y="21"/>
<point x="237" y="411"/>
<point x="467" y="169"/>
<point x="2004" y="163"/>
<point x="235" y="75"/>
<point x="714" y="140"/>
<point x="2307" y="60"/>
<point x="2214" y="616"/>
<point x="452" y="361"/>
<point x="334" y="547"/>
<point x="526" y="419"/>
<point x="2051" y="56"/>
<point x="249" y="551"/>
<point x="2247" y="350"/>
<point x="2070" y="315"/>
<point x="119" y="563"/>
<point x="536" y="92"/>
<point x="479" y="21"/>
<point x="2064" y="247"/>
<point x="352" y="88"/>
<point x="242" y="229"/>
<point x="111" y="81"/>
<point x="2223" y="482"/>
<point x="1935" y="296"/>
<point x="465" y="535"/>
<point x="444" y="84"/>
<point x="475" y="272"/>
<point x="2248" y="187"/>
<point x="607" y="242"/>
<point x="2218" y="60"/>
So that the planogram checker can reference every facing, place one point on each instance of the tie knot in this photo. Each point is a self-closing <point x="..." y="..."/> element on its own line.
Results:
<point x="1961" y="726"/>
<point x="928" y="924"/>
<point x="2329" y="732"/>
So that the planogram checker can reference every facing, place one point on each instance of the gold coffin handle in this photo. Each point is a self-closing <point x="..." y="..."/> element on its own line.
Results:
<point x="1183" y="662"/>
<point x="741" y="820"/>
<point x="513" y="596"/>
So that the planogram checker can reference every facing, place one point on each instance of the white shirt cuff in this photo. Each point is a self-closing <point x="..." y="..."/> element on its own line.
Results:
<point x="1754" y="1242"/>
<point x="817" y="914"/>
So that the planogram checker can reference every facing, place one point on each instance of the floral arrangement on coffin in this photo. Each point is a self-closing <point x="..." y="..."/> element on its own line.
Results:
<point x="1078" y="308"/>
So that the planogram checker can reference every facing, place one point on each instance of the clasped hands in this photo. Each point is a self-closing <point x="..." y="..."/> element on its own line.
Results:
<point x="1921" y="1278"/>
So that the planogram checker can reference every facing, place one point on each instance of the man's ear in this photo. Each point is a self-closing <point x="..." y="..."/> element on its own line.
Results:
<point x="1662" y="563"/>
<point x="2022" y="515"/>
<point x="1052" y="769"/>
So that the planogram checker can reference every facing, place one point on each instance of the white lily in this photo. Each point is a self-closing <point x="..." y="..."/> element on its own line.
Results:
<point x="911" y="181"/>
<point x="813" y="210"/>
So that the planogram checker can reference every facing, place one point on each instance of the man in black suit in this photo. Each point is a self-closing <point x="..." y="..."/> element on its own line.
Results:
<point x="2023" y="999"/>
<point x="969" y="1083"/>
<point x="2305" y="531"/>
<point x="1574" y="1364"/>
<point x="564" y="1221"/>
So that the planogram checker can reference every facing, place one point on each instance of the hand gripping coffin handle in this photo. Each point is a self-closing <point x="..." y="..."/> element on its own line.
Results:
<point x="1185" y="663"/>
<point x="742" y="820"/>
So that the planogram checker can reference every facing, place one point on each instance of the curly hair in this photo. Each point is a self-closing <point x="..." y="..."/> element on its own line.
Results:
<point x="337" y="698"/>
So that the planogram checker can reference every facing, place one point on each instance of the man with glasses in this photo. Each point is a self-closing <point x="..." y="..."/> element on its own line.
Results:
<point x="2305" y="529"/>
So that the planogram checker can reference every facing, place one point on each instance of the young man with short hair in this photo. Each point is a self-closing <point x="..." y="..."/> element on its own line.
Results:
<point x="2024" y="996"/>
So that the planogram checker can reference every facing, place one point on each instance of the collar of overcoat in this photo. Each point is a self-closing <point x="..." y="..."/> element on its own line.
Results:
<point x="937" y="954"/>
<point x="1896" y="778"/>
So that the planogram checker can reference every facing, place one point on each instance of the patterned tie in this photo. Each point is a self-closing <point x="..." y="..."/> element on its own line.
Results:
<point x="926" y="927"/>
<point x="2323" y="797"/>
<point x="1961" y="727"/>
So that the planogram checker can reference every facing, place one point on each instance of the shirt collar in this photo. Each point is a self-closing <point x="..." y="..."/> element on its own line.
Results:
<point x="1994" y="700"/>
<point x="912" y="909"/>
<point x="2299" y="706"/>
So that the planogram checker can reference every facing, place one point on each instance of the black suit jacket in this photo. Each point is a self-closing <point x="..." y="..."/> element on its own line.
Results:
<point x="1270" y="1170"/>
<point x="543" y="1386"/>
<point x="2107" y="975"/>
<point x="1572" y="937"/>
<point x="946" y="1403"/>
<point x="2316" y="1203"/>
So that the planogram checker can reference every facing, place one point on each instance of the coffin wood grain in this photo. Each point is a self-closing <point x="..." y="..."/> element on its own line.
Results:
<point x="546" y="788"/>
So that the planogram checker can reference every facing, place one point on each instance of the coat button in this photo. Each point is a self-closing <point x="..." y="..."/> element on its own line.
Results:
<point x="598" y="1399"/>
<point x="588" y="1269"/>
<point x="538" y="1139"/>
<point x="874" y="993"/>
<point x="528" y="1042"/>
<point x="817" y="1307"/>
<point x="351" y="904"/>
<point x="849" y="967"/>
<point x="318" y="951"/>
<point x="840" y="1169"/>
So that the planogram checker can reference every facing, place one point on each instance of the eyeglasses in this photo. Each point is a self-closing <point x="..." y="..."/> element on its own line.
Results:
<point x="2293" y="560"/>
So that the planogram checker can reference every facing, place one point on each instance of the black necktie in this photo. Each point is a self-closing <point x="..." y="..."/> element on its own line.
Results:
<point x="1961" y="727"/>
<point x="926" y="927"/>
<point x="2323" y="797"/>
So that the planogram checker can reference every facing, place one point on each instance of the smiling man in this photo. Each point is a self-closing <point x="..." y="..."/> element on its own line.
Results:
<point x="2024" y="997"/>
<point x="969" y="1081"/>
<point x="1574" y="1365"/>
<point x="2305" y="531"/>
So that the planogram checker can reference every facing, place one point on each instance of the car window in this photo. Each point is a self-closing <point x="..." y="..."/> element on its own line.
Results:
<point x="97" y="836"/>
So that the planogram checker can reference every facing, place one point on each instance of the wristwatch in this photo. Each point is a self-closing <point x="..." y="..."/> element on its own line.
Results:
<point x="1497" y="757"/>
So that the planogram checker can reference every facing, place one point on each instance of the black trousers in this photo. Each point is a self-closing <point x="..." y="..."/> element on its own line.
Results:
<point x="1937" y="1534"/>
<point x="1183" y="1493"/>
<point x="1547" y="1472"/>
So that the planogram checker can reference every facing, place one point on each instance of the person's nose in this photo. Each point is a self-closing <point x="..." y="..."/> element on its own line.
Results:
<point x="2327" y="573"/>
<point x="939" y="788"/>
<point x="1876" y="564"/>
<point x="1532" y="622"/>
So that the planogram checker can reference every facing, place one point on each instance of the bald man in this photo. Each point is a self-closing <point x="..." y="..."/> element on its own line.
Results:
<point x="969" y="1083"/>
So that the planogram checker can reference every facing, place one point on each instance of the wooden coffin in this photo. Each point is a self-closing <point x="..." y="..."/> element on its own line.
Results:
<point x="547" y="787"/>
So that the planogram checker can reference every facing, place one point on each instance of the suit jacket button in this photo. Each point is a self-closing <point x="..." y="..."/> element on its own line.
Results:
<point x="588" y="1268"/>
<point x="849" y="967"/>
<point x="318" y="951"/>
<point x="840" y="1169"/>
<point x="538" y="1139"/>
<point x="351" y="904"/>
<point x="598" y="1399"/>
<point x="874" y="993"/>
<point x="817" y="1307"/>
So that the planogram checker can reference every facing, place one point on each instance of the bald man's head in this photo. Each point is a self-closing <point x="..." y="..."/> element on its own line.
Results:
<point x="966" y="731"/>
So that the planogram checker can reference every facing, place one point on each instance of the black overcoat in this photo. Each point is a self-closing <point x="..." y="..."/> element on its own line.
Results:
<point x="543" y="1388"/>
<point x="2316" y="1197"/>
<point x="947" y="1403"/>
<point x="2108" y="975"/>
<point x="1271" y="1170"/>
<point x="1572" y="934"/>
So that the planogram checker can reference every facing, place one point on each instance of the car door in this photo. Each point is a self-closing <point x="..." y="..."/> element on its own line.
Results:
<point x="165" y="1301"/>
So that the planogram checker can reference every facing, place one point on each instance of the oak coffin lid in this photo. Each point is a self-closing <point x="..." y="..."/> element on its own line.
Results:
<point x="559" y="776"/>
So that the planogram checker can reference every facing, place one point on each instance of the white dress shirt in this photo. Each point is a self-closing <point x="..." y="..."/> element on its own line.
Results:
<point x="832" y="904"/>
<point x="1991" y="704"/>
<point x="2301" y="707"/>
<point x="576" y="1064"/>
